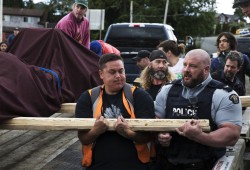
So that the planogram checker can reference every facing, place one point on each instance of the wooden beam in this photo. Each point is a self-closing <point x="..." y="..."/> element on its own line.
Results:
<point x="245" y="101"/>
<point x="70" y="107"/>
<point x="41" y="123"/>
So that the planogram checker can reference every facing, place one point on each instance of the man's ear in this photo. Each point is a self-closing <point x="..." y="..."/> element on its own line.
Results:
<point x="101" y="74"/>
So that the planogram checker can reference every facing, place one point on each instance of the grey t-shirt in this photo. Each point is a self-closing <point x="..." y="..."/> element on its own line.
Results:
<point x="223" y="109"/>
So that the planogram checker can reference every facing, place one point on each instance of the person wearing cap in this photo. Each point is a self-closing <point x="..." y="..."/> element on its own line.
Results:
<point x="142" y="59"/>
<point x="244" y="6"/>
<point x="75" y="24"/>
<point x="156" y="74"/>
<point x="100" y="48"/>
<point x="12" y="36"/>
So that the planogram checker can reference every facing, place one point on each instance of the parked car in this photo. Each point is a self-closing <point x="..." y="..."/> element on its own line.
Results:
<point x="243" y="31"/>
<point x="243" y="45"/>
<point x="130" y="38"/>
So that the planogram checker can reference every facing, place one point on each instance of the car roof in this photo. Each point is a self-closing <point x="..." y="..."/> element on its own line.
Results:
<point x="143" y="25"/>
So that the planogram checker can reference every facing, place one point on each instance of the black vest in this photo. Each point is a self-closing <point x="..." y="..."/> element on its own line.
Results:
<point x="197" y="108"/>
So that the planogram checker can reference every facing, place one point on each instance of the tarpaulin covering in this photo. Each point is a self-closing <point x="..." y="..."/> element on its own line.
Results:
<point x="67" y="69"/>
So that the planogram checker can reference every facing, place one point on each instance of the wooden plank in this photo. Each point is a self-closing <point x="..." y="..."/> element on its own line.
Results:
<point x="245" y="130"/>
<point x="70" y="107"/>
<point x="41" y="123"/>
<point x="36" y="151"/>
<point x="245" y="101"/>
<point x="21" y="149"/>
<point x="233" y="159"/>
<point x="67" y="108"/>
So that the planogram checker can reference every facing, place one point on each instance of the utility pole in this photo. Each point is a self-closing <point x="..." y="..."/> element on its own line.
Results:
<point x="166" y="12"/>
<point x="1" y="20"/>
<point x="131" y="11"/>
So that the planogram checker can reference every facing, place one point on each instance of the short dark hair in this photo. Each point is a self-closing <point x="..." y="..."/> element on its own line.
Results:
<point x="107" y="58"/>
<point x="230" y="38"/>
<point x="235" y="56"/>
<point x="172" y="46"/>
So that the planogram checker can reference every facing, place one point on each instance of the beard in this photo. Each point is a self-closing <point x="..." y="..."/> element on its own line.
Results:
<point x="159" y="74"/>
<point x="192" y="82"/>
<point x="229" y="75"/>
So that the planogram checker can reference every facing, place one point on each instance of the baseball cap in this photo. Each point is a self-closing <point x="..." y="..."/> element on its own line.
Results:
<point x="82" y="2"/>
<point x="157" y="54"/>
<point x="237" y="3"/>
<point x="142" y="54"/>
<point x="96" y="47"/>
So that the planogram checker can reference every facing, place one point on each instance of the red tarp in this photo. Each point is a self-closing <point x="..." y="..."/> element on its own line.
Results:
<point x="25" y="90"/>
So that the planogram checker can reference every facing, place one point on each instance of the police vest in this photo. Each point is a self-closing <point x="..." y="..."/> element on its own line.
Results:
<point x="198" y="107"/>
<point x="127" y="99"/>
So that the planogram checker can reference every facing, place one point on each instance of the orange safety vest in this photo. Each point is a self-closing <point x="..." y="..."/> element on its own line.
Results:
<point x="142" y="149"/>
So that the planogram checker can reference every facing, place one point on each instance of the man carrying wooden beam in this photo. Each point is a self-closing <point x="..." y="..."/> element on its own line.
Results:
<point x="122" y="148"/>
<point x="197" y="96"/>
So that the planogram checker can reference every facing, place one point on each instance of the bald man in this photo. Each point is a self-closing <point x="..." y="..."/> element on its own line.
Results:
<point x="197" y="96"/>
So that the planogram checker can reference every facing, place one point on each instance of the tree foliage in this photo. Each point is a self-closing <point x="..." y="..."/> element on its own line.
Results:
<point x="13" y="3"/>
<point x="187" y="17"/>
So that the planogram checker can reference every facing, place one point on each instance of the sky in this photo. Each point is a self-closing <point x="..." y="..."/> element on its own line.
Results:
<point x="225" y="6"/>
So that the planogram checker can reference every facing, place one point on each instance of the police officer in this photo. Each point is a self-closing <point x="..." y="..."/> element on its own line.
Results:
<point x="197" y="96"/>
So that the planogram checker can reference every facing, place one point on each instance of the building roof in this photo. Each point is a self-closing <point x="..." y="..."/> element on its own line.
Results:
<point x="22" y="12"/>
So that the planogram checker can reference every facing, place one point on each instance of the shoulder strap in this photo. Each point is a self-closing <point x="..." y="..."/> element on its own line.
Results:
<point x="95" y="93"/>
<point x="128" y="91"/>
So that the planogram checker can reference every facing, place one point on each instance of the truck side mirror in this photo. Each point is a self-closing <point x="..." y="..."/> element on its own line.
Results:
<point x="189" y="41"/>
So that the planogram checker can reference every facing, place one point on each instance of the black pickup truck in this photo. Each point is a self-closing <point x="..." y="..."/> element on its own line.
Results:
<point x="130" y="38"/>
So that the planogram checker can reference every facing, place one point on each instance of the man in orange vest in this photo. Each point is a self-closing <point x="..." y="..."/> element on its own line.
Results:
<point x="123" y="148"/>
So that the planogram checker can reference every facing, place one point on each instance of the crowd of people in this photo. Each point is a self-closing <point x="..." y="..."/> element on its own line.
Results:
<point x="171" y="85"/>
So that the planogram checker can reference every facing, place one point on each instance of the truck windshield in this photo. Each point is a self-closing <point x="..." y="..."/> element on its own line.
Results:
<point x="146" y="37"/>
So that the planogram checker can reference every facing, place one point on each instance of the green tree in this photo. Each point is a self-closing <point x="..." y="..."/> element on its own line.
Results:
<point x="188" y="17"/>
<point x="218" y="29"/>
<point x="13" y="3"/>
<point x="225" y="27"/>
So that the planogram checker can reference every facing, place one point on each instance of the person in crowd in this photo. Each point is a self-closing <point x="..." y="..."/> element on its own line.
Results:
<point x="225" y="43"/>
<point x="142" y="59"/>
<point x="100" y="48"/>
<point x="3" y="46"/>
<point x="12" y="36"/>
<point x="122" y="148"/>
<point x="156" y="74"/>
<point x="244" y="5"/>
<point x="228" y="76"/>
<point x="197" y="96"/>
<point x="75" y="24"/>
<point x="173" y="51"/>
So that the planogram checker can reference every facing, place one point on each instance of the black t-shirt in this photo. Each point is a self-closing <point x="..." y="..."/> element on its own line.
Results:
<point x="112" y="151"/>
<point x="153" y="90"/>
